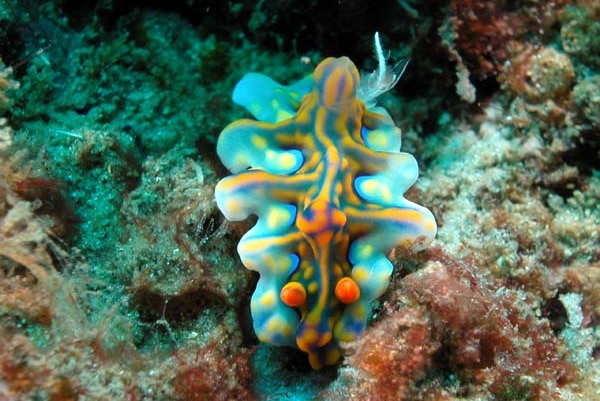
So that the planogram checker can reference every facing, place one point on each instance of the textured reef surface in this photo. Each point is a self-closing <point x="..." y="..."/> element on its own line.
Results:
<point x="120" y="278"/>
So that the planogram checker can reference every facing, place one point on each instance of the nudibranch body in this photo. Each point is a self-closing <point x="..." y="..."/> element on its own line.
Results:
<point x="325" y="176"/>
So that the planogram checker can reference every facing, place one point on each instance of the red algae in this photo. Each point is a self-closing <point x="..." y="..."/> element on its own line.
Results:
<point x="214" y="373"/>
<point x="447" y="319"/>
<point x="404" y="343"/>
<point x="486" y="31"/>
<point x="489" y="338"/>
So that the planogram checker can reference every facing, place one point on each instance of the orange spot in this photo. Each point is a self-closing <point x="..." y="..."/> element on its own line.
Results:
<point x="347" y="291"/>
<point x="293" y="294"/>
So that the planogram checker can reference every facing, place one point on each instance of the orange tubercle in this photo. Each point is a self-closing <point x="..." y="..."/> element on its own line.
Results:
<point x="347" y="291"/>
<point x="293" y="294"/>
